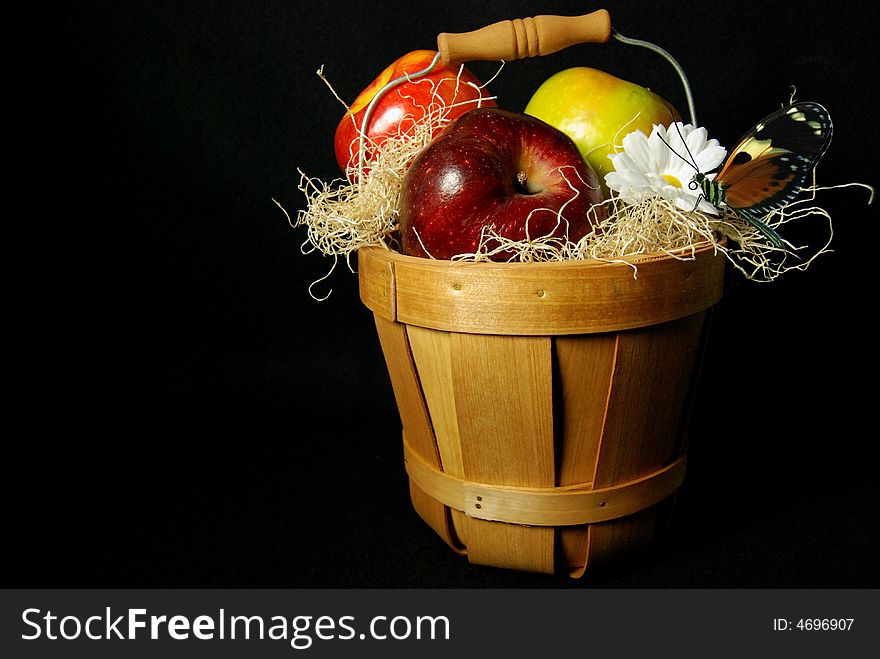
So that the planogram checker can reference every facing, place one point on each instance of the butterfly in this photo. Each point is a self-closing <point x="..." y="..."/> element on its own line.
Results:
<point x="769" y="165"/>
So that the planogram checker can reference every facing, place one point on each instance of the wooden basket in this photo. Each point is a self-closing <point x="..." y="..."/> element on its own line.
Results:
<point x="543" y="405"/>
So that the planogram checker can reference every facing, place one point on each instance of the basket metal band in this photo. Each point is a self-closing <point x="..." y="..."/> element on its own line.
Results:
<point x="556" y="506"/>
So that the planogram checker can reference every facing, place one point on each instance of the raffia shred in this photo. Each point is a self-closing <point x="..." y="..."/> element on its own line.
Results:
<point x="657" y="226"/>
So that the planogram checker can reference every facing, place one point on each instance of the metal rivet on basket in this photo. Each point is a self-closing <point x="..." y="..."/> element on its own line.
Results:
<point x="478" y="506"/>
<point x="479" y="498"/>
<point x="601" y="504"/>
<point x="541" y="292"/>
<point x="456" y="286"/>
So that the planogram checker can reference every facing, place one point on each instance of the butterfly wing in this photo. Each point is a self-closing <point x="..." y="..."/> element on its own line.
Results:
<point x="772" y="161"/>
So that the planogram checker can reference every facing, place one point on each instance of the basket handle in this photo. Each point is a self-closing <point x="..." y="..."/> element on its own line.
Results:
<point x="524" y="37"/>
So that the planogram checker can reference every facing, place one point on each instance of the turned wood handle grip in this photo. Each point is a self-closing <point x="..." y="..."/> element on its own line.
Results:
<point x="524" y="37"/>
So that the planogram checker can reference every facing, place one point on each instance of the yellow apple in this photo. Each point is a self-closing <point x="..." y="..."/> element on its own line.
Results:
<point x="597" y="110"/>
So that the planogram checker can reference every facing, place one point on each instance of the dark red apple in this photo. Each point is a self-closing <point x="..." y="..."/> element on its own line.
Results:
<point x="497" y="169"/>
<point x="398" y="109"/>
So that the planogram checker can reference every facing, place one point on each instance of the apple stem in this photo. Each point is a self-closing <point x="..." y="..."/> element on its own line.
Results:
<point x="669" y="58"/>
<point x="521" y="184"/>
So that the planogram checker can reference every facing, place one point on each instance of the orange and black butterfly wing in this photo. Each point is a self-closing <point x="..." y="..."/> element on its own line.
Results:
<point x="771" y="163"/>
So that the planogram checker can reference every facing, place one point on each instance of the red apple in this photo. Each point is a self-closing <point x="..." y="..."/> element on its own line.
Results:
<point x="497" y="169"/>
<point x="407" y="103"/>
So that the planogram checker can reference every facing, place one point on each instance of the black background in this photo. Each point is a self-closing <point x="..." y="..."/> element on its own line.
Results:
<point x="184" y="414"/>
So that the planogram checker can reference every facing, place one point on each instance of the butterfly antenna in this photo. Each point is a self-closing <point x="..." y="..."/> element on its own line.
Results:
<point x="693" y="162"/>
<point x="686" y="161"/>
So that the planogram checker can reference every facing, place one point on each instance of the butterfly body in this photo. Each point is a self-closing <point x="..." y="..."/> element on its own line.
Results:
<point x="711" y="189"/>
<point x="770" y="164"/>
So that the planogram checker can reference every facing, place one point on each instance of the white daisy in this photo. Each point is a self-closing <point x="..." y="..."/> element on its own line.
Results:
<point x="648" y="167"/>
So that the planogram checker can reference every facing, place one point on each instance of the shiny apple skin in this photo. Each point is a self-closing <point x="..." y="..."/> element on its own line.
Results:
<point x="468" y="179"/>
<point x="406" y="103"/>
<point x="597" y="110"/>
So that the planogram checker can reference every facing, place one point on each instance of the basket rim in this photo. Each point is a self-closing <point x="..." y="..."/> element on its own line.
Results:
<point x="565" y="297"/>
<point x="678" y="254"/>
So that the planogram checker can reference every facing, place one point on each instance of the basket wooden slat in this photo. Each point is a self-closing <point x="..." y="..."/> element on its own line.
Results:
<point x="433" y="347"/>
<point x="414" y="416"/>
<point x="518" y="428"/>
<point x="644" y="419"/>
<point x="585" y="369"/>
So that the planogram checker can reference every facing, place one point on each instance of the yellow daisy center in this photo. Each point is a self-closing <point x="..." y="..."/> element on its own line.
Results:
<point x="671" y="180"/>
